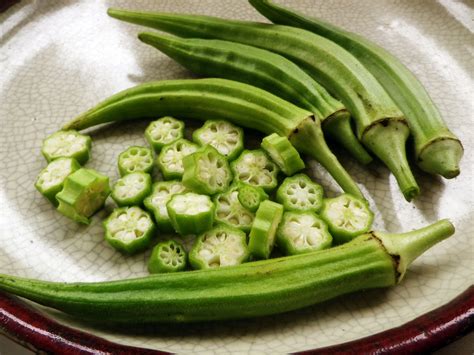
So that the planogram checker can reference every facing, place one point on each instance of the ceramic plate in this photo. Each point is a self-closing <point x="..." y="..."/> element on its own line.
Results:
<point x="58" y="58"/>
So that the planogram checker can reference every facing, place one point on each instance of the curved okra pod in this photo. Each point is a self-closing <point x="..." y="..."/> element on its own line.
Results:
<point x="380" y="124"/>
<point x="239" y="103"/>
<point x="266" y="70"/>
<point x="131" y="189"/>
<point x="437" y="149"/>
<point x="163" y="131"/>
<point x="231" y="212"/>
<point x="135" y="159"/>
<point x="169" y="256"/>
<point x="170" y="159"/>
<point x="283" y="153"/>
<point x="250" y="197"/>
<point x="300" y="193"/>
<point x="67" y="144"/>
<point x="255" y="168"/>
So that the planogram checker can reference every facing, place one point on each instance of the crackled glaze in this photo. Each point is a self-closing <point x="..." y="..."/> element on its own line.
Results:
<point x="58" y="58"/>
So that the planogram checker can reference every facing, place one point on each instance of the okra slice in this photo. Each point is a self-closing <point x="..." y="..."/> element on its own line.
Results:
<point x="250" y="196"/>
<point x="135" y="159"/>
<point x="67" y="144"/>
<point x="190" y="213"/>
<point x="169" y="256"/>
<point x="255" y="168"/>
<point x="206" y="171"/>
<point x="51" y="179"/>
<point x="302" y="232"/>
<point x="164" y="131"/>
<point x="283" y="153"/>
<point x="347" y="217"/>
<point x="265" y="224"/>
<point x="162" y="192"/>
<point x="220" y="246"/>
<point x="132" y="189"/>
<point x="84" y="193"/>
<point x="231" y="212"/>
<point x="170" y="159"/>
<point x="300" y="193"/>
<point x="129" y="229"/>
<point x="225" y="137"/>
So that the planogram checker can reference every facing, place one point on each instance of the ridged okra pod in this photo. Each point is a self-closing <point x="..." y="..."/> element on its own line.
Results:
<point x="380" y="124"/>
<point x="253" y="289"/>
<point x="239" y="103"/>
<point x="437" y="149"/>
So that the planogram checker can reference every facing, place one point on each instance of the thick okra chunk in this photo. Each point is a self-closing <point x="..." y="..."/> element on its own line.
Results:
<point x="227" y="138"/>
<point x="162" y="192"/>
<point x="84" y="193"/>
<point x="129" y="229"/>
<point x="302" y="232"/>
<point x="206" y="171"/>
<point x="255" y="168"/>
<point x="283" y="153"/>
<point x="169" y="256"/>
<point x="347" y="217"/>
<point x="230" y="211"/>
<point x="51" y="179"/>
<point x="132" y="189"/>
<point x="190" y="213"/>
<point x="300" y="193"/>
<point x="265" y="224"/>
<point x="250" y="196"/>
<point x="220" y="246"/>
<point x="135" y="159"/>
<point x="67" y="144"/>
<point x="170" y="159"/>
<point x="164" y="131"/>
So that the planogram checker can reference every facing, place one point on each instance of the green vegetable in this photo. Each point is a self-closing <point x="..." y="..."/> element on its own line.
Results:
<point x="84" y="193"/>
<point x="438" y="150"/>
<point x="231" y="212"/>
<point x="129" y="229"/>
<point x="164" y="131"/>
<point x="283" y="153"/>
<point x="268" y="71"/>
<point x="169" y="256"/>
<point x="302" y="232"/>
<point x="239" y="103"/>
<point x="250" y="197"/>
<point x="51" y="179"/>
<point x="262" y="234"/>
<point x="300" y="193"/>
<point x="225" y="137"/>
<point x="132" y="189"/>
<point x="255" y="168"/>
<point x="135" y="159"/>
<point x="347" y="217"/>
<point x="220" y="246"/>
<point x="190" y="213"/>
<point x="206" y="171"/>
<point x="67" y="144"/>
<point x="170" y="159"/>
<point x="162" y="192"/>
<point x="252" y="289"/>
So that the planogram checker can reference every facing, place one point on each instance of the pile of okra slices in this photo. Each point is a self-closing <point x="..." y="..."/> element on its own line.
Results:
<point x="213" y="188"/>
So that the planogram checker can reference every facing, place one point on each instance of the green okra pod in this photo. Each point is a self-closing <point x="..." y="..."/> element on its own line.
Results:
<point x="168" y="256"/>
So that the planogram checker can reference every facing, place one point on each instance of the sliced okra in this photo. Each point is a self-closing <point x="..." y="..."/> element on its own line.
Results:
<point x="84" y="193"/>
<point x="164" y="131"/>
<point x="67" y="144"/>
<point x="300" y="193"/>
<point x="250" y="196"/>
<point x="135" y="159"/>
<point x="170" y="159"/>
<point x="132" y="189"/>
<point x="230" y="211"/>
<point x="225" y="137"/>
<point x="220" y="246"/>
<point x="301" y="232"/>
<point x="50" y="180"/>
<point x="283" y="153"/>
<point x="168" y="256"/>
<point x="206" y="171"/>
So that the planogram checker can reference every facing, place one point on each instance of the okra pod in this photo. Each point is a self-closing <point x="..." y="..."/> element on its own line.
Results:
<point x="169" y="256"/>
<point x="132" y="189"/>
<point x="231" y="212"/>
<point x="283" y="154"/>
<point x="164" y="131"/>
<point x="170" y="159"/>
<point x="67" y="144"/>
<point x="250" y="197"/>
<point x="252" y="289"/>
<point x="254" y="167"/>
<point x="300" y="193"/>
<point x="135" y="159"/>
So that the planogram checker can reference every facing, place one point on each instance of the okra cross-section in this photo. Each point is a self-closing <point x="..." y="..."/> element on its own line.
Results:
<point x="170" y="159"/>
<point x="225" y="137"/>
<point x="191" y="213"/>
<point x="132" y="189"/>
<point x="168" y="256"/>
<point x="135" y="159"/>
<point x="254" y="167"/>
<point x="283" y="153"/>
<point x="300" y="193"/>
<point x="164" y="131"/>
<point x="220" y="246"/>
<point x="250" y="196"/>
<point x="84" y="193"/>
<point x="51" y="179"/>
<point x="67" y="144"/>
<point x="302" y="232"/>
<point x="230" y="211"/>
<point x="206" y="171"/>
<point x="129" y="229"/>
<point x="347" y="217"/>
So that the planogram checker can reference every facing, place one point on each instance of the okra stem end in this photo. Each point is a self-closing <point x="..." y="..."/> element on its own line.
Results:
<point x="441" y="156"/>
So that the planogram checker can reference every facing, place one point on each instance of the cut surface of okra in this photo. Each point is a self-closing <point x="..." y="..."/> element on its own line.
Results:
<point x="283" y="153"/>
<point x="231" y="212"/>
<point x="163" y="131"/>
<point x="300" y="193"/>
<point x="132" y="189"/>
<point x="168" y="256"/>
<point x="67" y="144"/>
<point x="250" y="196"/>
<point x="255" y="168"/>
<point x="170" y="159"/>
<point x="135" y="159"/>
